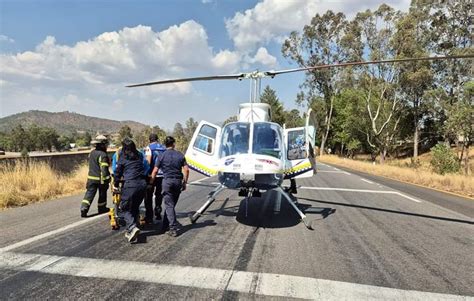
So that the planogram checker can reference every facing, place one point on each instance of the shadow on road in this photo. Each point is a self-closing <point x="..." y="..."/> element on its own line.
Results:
<point x="393" y="211"/>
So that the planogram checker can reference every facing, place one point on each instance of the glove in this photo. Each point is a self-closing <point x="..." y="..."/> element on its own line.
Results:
<point x="115" y="190"/>
<point x="183" y="186"/>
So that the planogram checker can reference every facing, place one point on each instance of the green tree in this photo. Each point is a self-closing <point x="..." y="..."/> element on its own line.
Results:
<point x="320" y="43"/>
<point x="293" y="119"/>
<point x="191" y="126"/>
<point x="277" y="111"/>
<point x="411" y="39"/>
<point x="160" y="132"/>
<point x="125" y="132"/>
<point x="444" y="160"/>
<point x="230" y="119"/>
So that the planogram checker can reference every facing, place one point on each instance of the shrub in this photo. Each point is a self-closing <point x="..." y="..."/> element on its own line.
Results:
<point x="444" y="160"/>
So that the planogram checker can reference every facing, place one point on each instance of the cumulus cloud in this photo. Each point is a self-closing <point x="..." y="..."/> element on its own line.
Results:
<point x="272" y="20"/>
<point x="55" y="76"/>
<point x="263" y="57"/>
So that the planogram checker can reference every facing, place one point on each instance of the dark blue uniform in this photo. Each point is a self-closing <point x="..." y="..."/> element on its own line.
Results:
<point x="171" y="163"/>
<point x="132" y="172"/>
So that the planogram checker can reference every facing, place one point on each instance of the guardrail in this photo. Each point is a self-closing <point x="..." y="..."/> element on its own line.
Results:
<point x="62" y="162"/>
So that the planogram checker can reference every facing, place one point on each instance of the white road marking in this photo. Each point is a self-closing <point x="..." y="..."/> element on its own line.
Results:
<point x="60" y="230"/>
<point x="367" y="181"/>
<point x="334" y="171"/>
<point x="263" y="284"/>
<point x="364" y="191"/>
<point x="50" y="233"/>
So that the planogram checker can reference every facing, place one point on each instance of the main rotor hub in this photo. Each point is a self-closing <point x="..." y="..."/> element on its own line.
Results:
<point x="255" y="74"/>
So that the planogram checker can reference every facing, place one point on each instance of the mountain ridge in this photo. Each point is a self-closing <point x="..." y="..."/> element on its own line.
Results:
<point x="67" y="122"/>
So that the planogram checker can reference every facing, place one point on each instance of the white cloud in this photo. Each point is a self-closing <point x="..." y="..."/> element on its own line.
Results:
<point x="263" y="57"/>
<point x="272" y="20"/>
<point x="7" y="39"/>
<point x="89" y="76"/>
<point x="206" y="1"/>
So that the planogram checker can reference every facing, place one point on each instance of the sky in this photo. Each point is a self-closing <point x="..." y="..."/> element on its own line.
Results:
<point x="78" y="55"/>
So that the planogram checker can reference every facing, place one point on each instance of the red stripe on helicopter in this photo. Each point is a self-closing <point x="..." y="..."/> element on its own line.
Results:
<point x="268" y="162"/>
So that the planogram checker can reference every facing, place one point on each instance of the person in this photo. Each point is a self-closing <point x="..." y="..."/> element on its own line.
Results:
<point x="131" y="169"/>
<point x="173" y="164"/>
<point x="98" y="177"/>
<point x="151" y="152"/>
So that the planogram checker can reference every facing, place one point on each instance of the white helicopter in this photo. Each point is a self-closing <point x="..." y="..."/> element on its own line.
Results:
<point x="253" y="153"/>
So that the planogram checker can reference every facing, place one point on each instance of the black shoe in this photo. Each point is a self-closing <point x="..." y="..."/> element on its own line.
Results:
<point x="157" y="214"/>
<point x="103" y="210"/>
<point x="149" y="221"/>
<point x="83" y="213"/>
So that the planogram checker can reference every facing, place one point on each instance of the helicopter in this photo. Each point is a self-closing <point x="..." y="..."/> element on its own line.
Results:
<point x="254" y="154"/>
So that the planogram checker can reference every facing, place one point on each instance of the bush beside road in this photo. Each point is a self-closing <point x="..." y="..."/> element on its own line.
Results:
<point x="25" y="183"/>
<point x="456" y="183"/>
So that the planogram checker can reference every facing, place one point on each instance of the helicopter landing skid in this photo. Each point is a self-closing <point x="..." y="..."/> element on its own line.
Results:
<point x="300" y="213"/>
<point x="212" y="197"/>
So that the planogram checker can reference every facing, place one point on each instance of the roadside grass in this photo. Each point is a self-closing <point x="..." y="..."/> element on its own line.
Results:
<point x="25" y="183"/>
<point x="460" y="184"/>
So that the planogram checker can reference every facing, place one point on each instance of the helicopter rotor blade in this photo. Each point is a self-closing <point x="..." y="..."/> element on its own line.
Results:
<point x="256" y="74"/>
<point x="190" y="79"/>
<point x="431" y="58"/>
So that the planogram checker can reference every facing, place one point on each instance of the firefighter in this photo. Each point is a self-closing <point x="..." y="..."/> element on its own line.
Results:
<point x="98" y="177"/>
<point x="173" y="164"/>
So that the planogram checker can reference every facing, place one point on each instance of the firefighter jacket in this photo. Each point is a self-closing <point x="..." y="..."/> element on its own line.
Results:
<point x="99" y="167"/>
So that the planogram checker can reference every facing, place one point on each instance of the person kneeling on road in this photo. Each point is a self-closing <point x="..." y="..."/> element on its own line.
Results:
<point x="172" y="163"/>
<point x="131" y="168"/>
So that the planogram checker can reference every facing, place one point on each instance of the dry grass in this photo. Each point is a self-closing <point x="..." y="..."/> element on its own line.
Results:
<point x="456" y="183"/>
<point x="26" y="183"/>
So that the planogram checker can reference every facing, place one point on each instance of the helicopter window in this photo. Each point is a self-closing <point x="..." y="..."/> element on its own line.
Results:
<point x="296" y="145"/>
<point x="267" y="139"/>
<point x="205" y="139"/>
<point x="235" y="139"/>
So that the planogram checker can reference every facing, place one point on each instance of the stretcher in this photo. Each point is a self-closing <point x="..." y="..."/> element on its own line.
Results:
<point x="113" y="213"/>
<point x="115" y="219"/>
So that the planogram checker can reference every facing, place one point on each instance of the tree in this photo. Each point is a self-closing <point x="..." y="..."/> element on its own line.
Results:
<point x="19" y="139"/>
<point x="180" y="137"/>
<point x="277" y="111"/>
<point x="125" y="132"/>
<point x="411" y="40"/>
<point x="191" y="126"/>
<point x="142" y="137"/>
<point x="160" y="132"/>
<point x="321" y="42"/>
<point x="293" y="119"/>
<point x="230" y="119"/>
<point x="378" y="84"/>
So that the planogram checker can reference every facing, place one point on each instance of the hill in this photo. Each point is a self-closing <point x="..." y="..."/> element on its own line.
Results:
<point x="66" y="122"/>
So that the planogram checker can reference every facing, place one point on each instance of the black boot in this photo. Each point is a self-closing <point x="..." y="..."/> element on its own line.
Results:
<point x="103" y="210"/>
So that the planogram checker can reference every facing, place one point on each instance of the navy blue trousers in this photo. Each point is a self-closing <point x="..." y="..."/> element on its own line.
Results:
<point x="133" y="193"/>
<point x="171" y="192"/>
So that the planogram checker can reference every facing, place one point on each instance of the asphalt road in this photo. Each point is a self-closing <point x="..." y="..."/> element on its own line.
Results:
<point x="373" y="239"/>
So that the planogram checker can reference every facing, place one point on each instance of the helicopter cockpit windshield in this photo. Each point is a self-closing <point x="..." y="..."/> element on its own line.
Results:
<point x="267" y="139"/>
<point x="235" y="139"/>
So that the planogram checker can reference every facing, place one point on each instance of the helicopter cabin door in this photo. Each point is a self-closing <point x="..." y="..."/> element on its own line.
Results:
<point x="300" y="143"/>
<point x="201" y="154"/>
